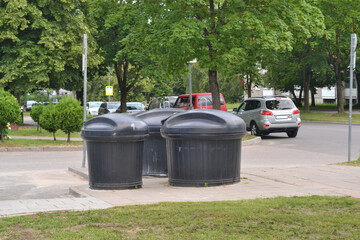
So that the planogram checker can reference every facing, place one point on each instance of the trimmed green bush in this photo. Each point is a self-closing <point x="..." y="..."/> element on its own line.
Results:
<point x="70" y="115"/>
<point x="35" y="113"/>
<point x="48" y="119"/>
<point x="9" y="111"/>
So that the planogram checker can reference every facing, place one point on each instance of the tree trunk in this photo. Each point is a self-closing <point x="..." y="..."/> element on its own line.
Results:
<point x="313" y="92"/>
<point x="121" y="78"/>
<point x="297" y="100"/>
<point x="248" y="83"/>
<point x="2" y="137"/>
<point x="339" y="84"/>
<point x="339" y="90"/>
<point x="68" y="137"/>
<point x="306" y="82"/>
<point x="54" y="136"/>
<point x="80" y="96"/>
<point x="214" y="87"/>
<point x="37" y="127"/>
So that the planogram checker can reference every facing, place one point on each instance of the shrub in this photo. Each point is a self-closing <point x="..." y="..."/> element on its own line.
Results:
<point x="70" y="115"/>
<point x="35" y="113"/>
<point x="48" y="119"/>
<point x="9" y="111"/>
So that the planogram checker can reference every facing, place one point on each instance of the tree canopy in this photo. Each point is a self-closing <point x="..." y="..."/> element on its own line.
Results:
<point x="41" y="44"/>
<point x="221" y="34"/>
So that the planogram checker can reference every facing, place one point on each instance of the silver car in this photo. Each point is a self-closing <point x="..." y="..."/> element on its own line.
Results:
<point x="264" y="115"/>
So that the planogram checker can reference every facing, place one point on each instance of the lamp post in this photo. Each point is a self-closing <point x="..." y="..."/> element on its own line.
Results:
<point x="190" y="87"/>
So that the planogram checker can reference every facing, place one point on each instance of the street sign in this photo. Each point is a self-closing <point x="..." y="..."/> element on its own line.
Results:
<point x="109" y="91"/>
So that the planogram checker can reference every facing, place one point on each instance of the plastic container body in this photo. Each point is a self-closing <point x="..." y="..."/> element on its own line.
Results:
<point x="154" y="156"/>
<point x="114" y="150"/>
<point x="204" y="148"/>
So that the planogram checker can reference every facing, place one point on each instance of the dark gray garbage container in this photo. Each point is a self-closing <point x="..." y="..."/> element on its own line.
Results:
<point x="204" y="147"/>
<point x="154" y="158"/>
<point x="114" y="145"/>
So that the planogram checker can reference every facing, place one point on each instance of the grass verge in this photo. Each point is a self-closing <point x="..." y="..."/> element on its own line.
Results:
<point x="31" y="131"/>
<point x="37" y="143"/>
<point x="329" y="117"/>
<point x="355" y="163"/>
<point x="276" y="218"/>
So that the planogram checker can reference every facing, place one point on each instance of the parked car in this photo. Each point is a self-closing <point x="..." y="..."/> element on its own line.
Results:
<point x="162" y="102"/>
<point x="29" y="105"/>
<point x="132" y="107"/>
<point x="108" y="107"/>
<point x="271" y="114"/>
<point x="93" y="108"/>
<point x="199" y="101"/>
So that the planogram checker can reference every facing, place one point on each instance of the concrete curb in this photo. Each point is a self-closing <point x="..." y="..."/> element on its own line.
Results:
<point x="41" y="149"/>
<point x="81" y="172"/>
<point x="334" y="123"/>
<point x="251" y="141"/>
<point x="80" y="148"/>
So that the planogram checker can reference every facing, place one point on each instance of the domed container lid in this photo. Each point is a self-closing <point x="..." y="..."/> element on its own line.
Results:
<point x="154" y="117"/>
<point x="207" y="124"/>
<point x="114" y="126"/>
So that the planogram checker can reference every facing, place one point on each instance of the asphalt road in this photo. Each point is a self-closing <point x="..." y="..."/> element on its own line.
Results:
<point x="38" y="175"/>
<point x="316" y="143"/>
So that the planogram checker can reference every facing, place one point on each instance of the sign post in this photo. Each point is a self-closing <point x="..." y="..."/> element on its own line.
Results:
<point x="352" y="68"/>
<point x="84" y="69"/>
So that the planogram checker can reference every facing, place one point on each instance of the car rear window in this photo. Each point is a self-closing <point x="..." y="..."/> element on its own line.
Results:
<point x="206" y="100"/>
<point x="282" y="104"/>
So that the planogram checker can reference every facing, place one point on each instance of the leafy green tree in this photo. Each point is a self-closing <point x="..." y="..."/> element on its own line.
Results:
<point x="221" y="34"/>
<point x="305" y="66"/>
<point x="122" y="46"/>
<point x="341" y="19"/>
<point x="41" y="44"/>
<point x="69" y="115"/>
<point x="35" y="113"/>
<point x="9" y="111"/>
<point x="48" y="120"/>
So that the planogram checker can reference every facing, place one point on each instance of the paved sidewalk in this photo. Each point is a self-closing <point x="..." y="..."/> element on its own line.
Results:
<point x="22" y="207"/>
<point x="326" y="180"/>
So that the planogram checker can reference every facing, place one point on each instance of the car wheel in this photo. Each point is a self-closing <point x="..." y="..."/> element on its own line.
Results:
<point x="292" y="134"/>
<point x="254" y="129"/>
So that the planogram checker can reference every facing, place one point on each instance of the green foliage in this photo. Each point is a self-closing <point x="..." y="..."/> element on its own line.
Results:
<point x="341" y="19"/>
<point x="36" y="111"/>
<point x="70" y="115"/>
<point x="41" y="44"/>
<point x="41" y="96"/>
<point x="229" y="37"/>
<point x="9" y="111"/>
<point x="48" y="120"/>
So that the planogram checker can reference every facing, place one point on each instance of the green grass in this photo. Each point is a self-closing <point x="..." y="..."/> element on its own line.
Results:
<point x="322" y="107"/>
<point x="276" y="218"/>
<point x="31" y="131"/>
<point x="37" y="143"/>
<point x="355" y="163"/>
<point x="329" y="117"/>
<point x="231" y="106"/>
<point x="248" y="137"/>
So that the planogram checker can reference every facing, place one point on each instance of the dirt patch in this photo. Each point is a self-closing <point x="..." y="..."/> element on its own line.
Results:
<point x="19" y="232"/>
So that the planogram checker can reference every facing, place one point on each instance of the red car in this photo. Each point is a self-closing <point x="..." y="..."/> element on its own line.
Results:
<point x="199" y="101"/>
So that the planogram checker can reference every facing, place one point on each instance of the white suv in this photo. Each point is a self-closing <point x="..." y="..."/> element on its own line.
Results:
<point x="264" y="115"/>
